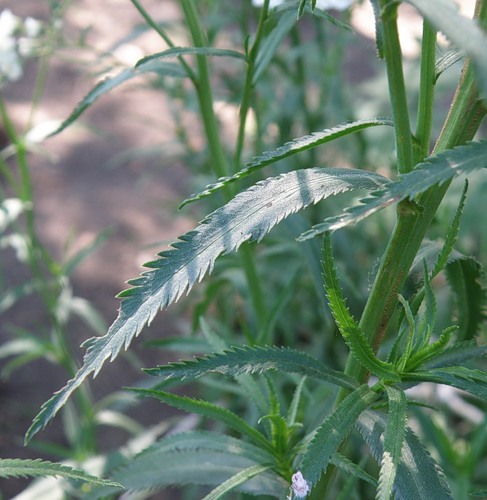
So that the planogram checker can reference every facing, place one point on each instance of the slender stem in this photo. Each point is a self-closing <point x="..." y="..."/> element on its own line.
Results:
<point x="249" y="84"/>
<point x="397" y="88"/>
<point x="217" y="155"/>
<point x="426" y="90"/>
<point x="150" y="22"/>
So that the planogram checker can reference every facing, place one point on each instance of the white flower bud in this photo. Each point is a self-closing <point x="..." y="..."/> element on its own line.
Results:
<point x="33" y="27"/>
<point x="10" y="66"/>
<point x="8" y="23"/>
<point x="27" y="46"/>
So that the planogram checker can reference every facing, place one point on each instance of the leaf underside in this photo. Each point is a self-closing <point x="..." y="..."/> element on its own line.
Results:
<point x="248" y="217"/>
<point x="288" y="149"/>
<point x="240" y="360"/>
<point x="435" y="170"/>
<point x="16" y="467"/>
<point x="418" y="475"/>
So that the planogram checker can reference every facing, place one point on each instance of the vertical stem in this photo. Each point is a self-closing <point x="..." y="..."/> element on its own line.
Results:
<point x="249" y="84"/>
<point x="426" y="90"/>
<point x="218" y="160"/>
<point x="397" y="88"/>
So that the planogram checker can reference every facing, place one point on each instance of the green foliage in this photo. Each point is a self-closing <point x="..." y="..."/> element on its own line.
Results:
<point x="282" y="422"/>
<point x="16" y="467"/>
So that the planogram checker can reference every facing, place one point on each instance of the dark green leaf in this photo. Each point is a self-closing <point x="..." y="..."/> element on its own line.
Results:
<point x="418" y="475"/>
<point x="242" y="360"/>
<point x="467" y="379"/>
<point x="336" y="427"/>
<point x="350" y="330"/>
<point x="457" y="354"/>
<point x="208" y="410"/>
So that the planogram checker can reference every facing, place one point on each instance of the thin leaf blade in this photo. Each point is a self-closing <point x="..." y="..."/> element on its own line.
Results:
<point x="249" y="216"/>
<point x="436" y="170"/>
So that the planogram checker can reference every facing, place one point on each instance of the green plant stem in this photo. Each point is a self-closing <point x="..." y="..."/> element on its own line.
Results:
<point x="426" y="92"/>
<point x="461" y="124"/>
<point x="397" y="88"/>
<point x="217" y="156"/>
<point x="249" y="85"/>
<point x="150" y="22"/>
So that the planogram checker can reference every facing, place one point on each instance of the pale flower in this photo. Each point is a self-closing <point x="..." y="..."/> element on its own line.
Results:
<point x="299" y="485"/>
<point x="33" y="27"/>
<point x="8" y="23"/>
<point x="27" y="46"/>
<point x="10" y="65"/>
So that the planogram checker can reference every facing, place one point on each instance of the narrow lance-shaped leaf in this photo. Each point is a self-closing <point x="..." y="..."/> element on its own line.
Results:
<point x="249" y="216"/>
<point x="435" y="170"/>
<point x="465" y="33"/>
<point x="209" y="410"/>
<point x="350" y="330"/>
<point x="393" y="442"/>
<point x="290" y="148"/>
<point x="236" y="480"/>
<point x="184" y="51"/>
<point x="240" y="360"/>
<point x="16" y="467"/>
<point x="336" y="427"/>
<point x="109" y="83"/>
<point x="418" y="475"/>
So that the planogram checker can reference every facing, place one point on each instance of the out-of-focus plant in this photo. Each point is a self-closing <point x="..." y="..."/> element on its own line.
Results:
<point x="292" y="423"/>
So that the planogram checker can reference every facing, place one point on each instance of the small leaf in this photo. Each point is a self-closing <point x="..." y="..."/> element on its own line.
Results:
<point x="290" y="148"/>
<point x="240" y="360"/>
<point x="455" y="27"/>
<point x="434" y="170"/>
<point x="393" y="442"/>
<point x="336" y="427"/>
<point x="16" y="467"/>
<point x="467" y="379"/>
<point x="448" y="59"/>
<point x="236" y="480"/>
<point x="457" y="354"/>
<point x="106" y="85"/>
<point x="418" y="475"/>
<point x="209" y="410"/>
<point x="350" y="468"/>
<point x="249" y="216"/>
<point x="183" y="51"/>
<point x="350" y="330"/>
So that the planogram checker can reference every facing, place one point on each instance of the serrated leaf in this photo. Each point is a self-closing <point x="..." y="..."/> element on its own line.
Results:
<point x="240" y="360"/>
<point x="434" y="170"/>
<point x="467" y="379"/>
<point x="418" y="475"/>
<point x="184" y="51"/>
<point x="349" y="328"/>
<point x="393" y="441"/>
<point x="236" y="480"/>
<point x="209" y="410"/>
<point x="109" y="83"/>
<point x="456" y="27"/>
<point x="457" y="354"/>
<point x="290" y="148"/>
<point x="336" y="427"/>
<point x="448" y="59"/>
<point x="465" y="277"/>
<point x="249" y="216"/>
<point x="16" y="467"/>
<point x="351" y="468"/>
<point x="201" y="467"/>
